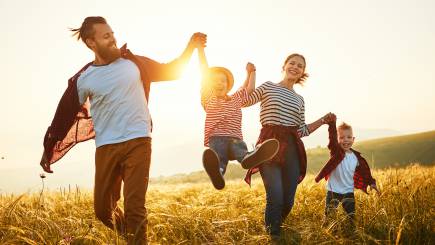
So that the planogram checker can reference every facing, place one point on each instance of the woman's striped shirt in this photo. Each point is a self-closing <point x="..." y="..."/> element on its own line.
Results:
<point x="280" y="106"/>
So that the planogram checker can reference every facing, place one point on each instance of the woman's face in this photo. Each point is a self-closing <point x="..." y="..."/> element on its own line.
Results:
<point x="220" y="84"/>
<point x="294" y="68"/>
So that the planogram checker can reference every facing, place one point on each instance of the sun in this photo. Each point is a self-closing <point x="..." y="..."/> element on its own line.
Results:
<point x="191" y="74"/>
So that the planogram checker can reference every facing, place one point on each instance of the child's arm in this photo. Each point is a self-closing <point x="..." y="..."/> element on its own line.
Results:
<point x="203" y="66"/>
<point x="331" y="120"/>
<point x="249" y="83"/>
<point x="363" y="176"/>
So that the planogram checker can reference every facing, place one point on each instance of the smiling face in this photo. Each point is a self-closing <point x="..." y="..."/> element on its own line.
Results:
<point x="294" y="68"/>
<point x="345" y="138"/>
<point x="103" y="43"/>
<point x="220" y="83"/>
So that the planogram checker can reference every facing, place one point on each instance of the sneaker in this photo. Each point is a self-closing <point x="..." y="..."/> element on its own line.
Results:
<point x="210" y="160"/>
<point x="264" y="152"/>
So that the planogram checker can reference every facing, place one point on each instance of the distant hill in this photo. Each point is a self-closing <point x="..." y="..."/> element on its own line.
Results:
<point x="320" y="137"/>
<point x="386" y="152"/>
<point x="380" y="153"/>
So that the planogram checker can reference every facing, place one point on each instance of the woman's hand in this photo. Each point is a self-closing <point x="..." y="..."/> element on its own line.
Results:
<point x="328" y="118"/>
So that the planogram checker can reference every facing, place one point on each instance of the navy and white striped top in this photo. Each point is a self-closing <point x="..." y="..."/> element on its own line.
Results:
<point x="279" y="106"/>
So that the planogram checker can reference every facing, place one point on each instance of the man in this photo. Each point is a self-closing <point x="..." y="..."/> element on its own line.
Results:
<point x="116" y="84"/>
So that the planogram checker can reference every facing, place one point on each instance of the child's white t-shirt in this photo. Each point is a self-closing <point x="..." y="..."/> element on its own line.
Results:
<point x="341" y="178"/>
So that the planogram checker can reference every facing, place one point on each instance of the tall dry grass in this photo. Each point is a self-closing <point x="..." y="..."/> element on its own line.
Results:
<point x="196" y="213"/>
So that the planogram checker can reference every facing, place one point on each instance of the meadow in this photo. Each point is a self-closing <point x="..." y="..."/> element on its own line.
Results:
<point x="195" y="213"/>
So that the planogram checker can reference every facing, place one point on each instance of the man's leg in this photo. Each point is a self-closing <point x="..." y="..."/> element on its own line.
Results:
<point x="136" y="166"/>
<point x="107" y="186"/>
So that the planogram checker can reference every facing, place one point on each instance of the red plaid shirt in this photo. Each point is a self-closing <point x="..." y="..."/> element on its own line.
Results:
<point x="362" y="176"/>
<point x="281" y="133"/>
<point x="72" y="123"/>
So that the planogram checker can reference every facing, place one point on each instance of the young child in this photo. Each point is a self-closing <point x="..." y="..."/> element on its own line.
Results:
<point x="223" y="123"/>
<point x="345" y="170"/>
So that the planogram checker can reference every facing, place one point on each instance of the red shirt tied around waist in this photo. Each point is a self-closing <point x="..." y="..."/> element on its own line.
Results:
<point x="281" y="133"/>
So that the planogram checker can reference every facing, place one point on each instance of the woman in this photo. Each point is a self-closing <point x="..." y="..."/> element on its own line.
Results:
<point x="282" y="117"/>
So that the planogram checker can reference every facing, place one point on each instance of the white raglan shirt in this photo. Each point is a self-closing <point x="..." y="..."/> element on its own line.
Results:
<point x="118" y="105"/>
<point x="341" y="179"/>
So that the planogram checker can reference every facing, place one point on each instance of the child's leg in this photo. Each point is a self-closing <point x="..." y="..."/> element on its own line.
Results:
<point x="331" y="204"/>
<point x="263" y="152"/>
<point x="210" y="160"/>
<point x="348" y="204"/>
<point x="238" y="149"/>
<point x="221" y="145"/>
<point x="215" y="160"/>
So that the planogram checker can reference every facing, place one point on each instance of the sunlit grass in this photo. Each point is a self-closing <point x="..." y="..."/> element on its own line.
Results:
<point x="196" y="213"/>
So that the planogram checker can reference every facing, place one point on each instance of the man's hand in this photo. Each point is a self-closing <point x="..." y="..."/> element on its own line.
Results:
<point x="198" y="40"/>
<point x="250" y="67"/>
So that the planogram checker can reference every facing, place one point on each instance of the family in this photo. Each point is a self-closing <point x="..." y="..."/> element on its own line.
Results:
<point x="114" y="88"/>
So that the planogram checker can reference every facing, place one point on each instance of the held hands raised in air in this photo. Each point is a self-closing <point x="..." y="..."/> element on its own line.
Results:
<point x="198" y="40"/>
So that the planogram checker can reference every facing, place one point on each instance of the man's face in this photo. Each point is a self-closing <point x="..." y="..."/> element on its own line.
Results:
<point x="104" y="43"/>
<point x="345" y="138"/>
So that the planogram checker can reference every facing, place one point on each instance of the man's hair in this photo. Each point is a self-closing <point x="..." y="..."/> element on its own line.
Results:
<point x="344" y="126"/>
<point x="87" y="29"/>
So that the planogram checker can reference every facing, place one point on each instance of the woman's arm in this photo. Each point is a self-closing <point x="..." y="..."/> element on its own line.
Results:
<point x="307" y="129"/>
<point x="319" y="122"/>
<point x="256" y="96"/>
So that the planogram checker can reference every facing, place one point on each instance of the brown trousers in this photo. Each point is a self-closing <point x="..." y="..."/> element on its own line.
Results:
<point x="127" y="162"/>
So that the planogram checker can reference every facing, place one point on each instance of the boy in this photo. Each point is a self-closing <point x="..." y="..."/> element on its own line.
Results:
<point x="223" y="123"/>
<point x="345" y="170"/>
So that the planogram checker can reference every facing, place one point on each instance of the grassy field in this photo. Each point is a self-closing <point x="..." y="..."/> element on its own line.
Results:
<point x="196" y="213"/>
<point x="398" y="151"/>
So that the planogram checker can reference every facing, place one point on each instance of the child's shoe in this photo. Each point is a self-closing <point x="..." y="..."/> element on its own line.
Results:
<point x="264" y="152"/>
<point x="210" y="160"/>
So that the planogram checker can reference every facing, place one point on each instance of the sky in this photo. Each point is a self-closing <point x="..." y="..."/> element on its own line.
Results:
<point x="370" y="62"/>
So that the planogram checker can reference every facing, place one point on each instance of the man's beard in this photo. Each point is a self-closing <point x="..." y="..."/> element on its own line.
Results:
<point x="108" y="54"/>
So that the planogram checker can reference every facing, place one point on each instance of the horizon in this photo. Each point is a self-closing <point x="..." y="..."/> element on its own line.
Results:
<point x="382" y="52"/>
<point x="62" y="180"/>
